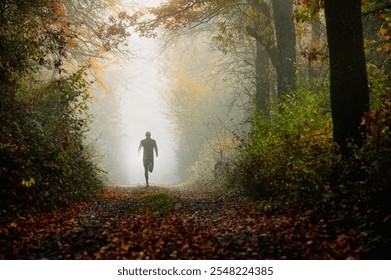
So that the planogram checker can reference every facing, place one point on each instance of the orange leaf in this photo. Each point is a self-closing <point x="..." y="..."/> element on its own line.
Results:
<point x="383" y="31"/>
<point x="72" y="44"/>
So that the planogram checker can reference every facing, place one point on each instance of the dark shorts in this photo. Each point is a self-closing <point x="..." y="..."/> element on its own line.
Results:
<point x="148" y="163"/>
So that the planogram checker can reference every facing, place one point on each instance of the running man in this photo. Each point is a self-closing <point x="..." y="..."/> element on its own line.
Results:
<point x="148" y="144"/>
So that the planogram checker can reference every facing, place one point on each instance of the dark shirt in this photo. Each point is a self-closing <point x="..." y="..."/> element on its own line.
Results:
<point x="149" y="145"/>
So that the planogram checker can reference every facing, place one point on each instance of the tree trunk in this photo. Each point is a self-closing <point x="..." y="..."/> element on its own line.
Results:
<point x="348" y="76"/>
<point x="262" y="80"/>
<point x="286" y="46"/>
<point x="313" y="69"/>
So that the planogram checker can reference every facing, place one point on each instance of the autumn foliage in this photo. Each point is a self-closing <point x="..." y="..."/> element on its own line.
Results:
<point x="46" y="56"/>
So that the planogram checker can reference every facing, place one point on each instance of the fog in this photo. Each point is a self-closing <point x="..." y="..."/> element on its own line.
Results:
<point x="143" y="109"/>
<point x="132" y="105"/>
<point x="162" y="78"/>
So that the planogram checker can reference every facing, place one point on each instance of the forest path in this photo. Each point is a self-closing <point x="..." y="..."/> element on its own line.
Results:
<point x="169" y="222"/>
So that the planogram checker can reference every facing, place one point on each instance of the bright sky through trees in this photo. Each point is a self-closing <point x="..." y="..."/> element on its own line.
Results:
<point x="140" y="85"/>
<point x="143" y="108"/>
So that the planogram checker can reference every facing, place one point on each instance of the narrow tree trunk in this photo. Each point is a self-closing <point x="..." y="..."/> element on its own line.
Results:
<point x="348" y="76"/>
<point x="313" y="70"/>
<point x="286" y="46"/>
<point x="265" y="53"/>
<point x="262" y="80"/>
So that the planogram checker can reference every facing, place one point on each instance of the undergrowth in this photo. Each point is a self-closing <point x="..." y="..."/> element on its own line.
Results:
<point x="285" y="161"/>
<point x="289" y="164"/>
<point x="44" y="162"/>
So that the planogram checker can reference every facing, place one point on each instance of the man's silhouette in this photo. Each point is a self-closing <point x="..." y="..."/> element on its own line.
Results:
<point x="148" y="144"/>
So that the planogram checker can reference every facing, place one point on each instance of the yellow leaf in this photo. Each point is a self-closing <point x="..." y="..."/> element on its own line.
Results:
<point x="28" y="183"/>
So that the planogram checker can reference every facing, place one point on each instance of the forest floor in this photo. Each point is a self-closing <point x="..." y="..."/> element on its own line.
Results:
<point x="172" y="222"/>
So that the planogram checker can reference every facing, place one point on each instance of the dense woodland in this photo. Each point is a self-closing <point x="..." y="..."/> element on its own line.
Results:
<point x="283" y="105"/>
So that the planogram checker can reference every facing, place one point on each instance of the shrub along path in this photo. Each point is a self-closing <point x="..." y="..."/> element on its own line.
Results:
<point x="133" y="222"/>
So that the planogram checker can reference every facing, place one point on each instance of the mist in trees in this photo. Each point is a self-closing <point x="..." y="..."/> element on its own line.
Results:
<point x="130" y="104"/>
<point x="202" y="102"/>
<point x="249" y="55"/>
<point x="303" y="92"/>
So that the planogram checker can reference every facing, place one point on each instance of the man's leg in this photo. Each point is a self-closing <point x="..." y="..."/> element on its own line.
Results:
<point x="150" y="166"/>
<point x="146" y="176"/>
<point x="146" y="171"/>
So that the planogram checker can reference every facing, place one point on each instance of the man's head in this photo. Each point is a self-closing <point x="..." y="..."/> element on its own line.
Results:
<point x="148" y="134"/>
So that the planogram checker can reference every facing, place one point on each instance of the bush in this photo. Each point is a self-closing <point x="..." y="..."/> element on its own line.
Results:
<point x="363" y="183"/>
<point x="286" y="159"/>
<point x="44" y="163"/>
<point x="289" y="165"/>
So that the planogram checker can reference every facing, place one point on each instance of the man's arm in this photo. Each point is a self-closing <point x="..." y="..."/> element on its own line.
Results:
<point x="156" y="150"/>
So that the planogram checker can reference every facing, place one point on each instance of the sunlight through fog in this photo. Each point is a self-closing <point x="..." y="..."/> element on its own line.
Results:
<point x="143" y="108"/>
<point x="137" y="86"/>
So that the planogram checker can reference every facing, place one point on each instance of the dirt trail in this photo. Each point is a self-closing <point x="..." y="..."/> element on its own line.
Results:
<point x="122" y="224"/>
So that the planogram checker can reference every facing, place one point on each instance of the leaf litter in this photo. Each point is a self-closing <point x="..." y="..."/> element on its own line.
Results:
<point x="133" y="222"/>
